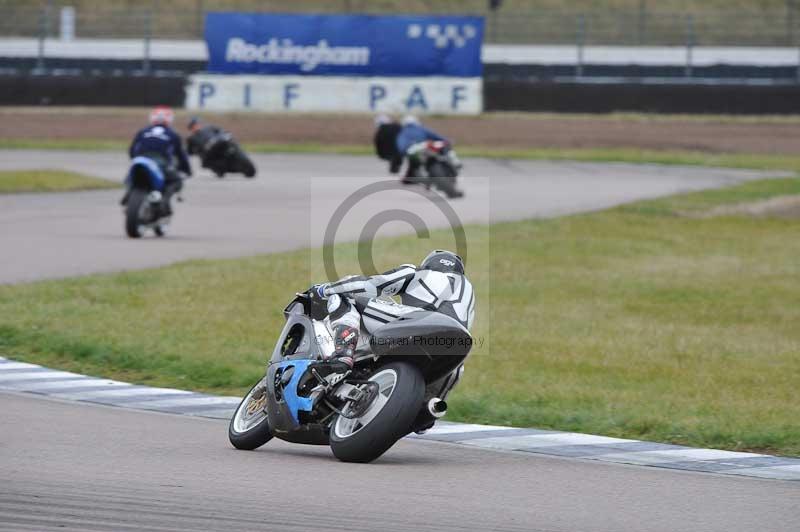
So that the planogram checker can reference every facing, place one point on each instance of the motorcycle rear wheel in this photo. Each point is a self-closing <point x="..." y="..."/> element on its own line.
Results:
<point x="133" y="212"/>
<point x="389" y="418"/>
<point x="444" y="178"/>
<point x="249" y="426"/>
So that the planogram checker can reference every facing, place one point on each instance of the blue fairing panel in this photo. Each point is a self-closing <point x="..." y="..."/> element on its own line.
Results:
<point x="153" y="170"/>
<point x="294" y="402"/>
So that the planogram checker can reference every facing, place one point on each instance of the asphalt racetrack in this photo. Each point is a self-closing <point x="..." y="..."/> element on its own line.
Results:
<point x="290" y="204"/>
<point x="68" y="466"/>
<point x="65" y="466"/>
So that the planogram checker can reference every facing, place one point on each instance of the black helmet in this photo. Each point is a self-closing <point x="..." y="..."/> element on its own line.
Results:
<point x="194" y="121"/>
<point x="443" y="261"/>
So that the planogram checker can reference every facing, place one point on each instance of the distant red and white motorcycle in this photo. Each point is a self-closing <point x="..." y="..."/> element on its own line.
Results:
<point x="436" y="165"/>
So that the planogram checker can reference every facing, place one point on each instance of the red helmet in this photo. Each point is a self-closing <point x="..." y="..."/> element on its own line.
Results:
<point x="161" y="115"/>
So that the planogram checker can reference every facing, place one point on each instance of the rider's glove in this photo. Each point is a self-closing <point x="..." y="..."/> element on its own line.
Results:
<point x="319" y="290"/>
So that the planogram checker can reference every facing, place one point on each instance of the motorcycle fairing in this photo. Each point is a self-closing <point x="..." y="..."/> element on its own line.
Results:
<point x="436" y="343"/>
<point x="150" y="168"/>
<point x="294" y="402"/>
<point x="295" y="350"/>
<point x="300" y="329"/>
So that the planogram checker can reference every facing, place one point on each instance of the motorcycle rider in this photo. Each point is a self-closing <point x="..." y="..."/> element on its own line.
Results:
<point x="438" y="284"/>
<point x="411" y="141"/>
<point x="161" y="144"/>
<point x="385" y="141"/>
<point x="207" y="141"/>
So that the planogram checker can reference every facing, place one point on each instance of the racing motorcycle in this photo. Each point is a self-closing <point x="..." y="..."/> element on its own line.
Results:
<point x="437" y="165"/>
<point x="399" y="380"/>
<point x="145" y="198"/>
<point x="228" y="157"/>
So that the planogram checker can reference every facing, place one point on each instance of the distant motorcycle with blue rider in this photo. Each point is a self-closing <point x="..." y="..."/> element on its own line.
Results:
<point x="158" y="167"/>
<point x="432" y="161"/>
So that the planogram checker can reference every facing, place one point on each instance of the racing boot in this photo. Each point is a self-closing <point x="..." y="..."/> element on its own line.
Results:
<point x="339" y="364"/>
<point x="345" y="340"/>
<point x="345" y="321"/>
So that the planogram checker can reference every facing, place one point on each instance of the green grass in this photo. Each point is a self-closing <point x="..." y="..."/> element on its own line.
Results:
<point x="13" y="181"/>
<point x="62" y="144"/>
<point x="632" y="322"/>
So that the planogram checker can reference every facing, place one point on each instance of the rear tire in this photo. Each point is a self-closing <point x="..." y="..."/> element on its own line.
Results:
<point x="444" y="178"/>
<point x="393" y="421"/>
<point x="132" y="209"/>
<point x="248" y="437"/>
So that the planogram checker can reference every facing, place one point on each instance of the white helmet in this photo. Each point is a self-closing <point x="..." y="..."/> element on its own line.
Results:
<point x="410" y="120"/>
<point x="381" y="120"/>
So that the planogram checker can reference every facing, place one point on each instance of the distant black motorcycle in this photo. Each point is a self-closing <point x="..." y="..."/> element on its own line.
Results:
<point x="219" y="151"/>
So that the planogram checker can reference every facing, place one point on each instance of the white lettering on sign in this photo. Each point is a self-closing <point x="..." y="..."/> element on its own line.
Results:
<point x="285" y="52"/>
<point x="356" y="94"/>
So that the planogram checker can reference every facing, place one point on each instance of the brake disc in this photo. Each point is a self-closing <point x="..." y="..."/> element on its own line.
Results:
<point x="257" y="404"/>
<point x="359" y="407"/>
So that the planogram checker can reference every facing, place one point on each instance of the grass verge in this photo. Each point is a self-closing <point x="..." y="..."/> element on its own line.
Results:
<point x="632" y="322"/>
<point x="14" y="181"/>
<point x="624" y="155"/>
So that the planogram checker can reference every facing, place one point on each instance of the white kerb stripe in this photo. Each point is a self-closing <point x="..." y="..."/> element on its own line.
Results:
<point x="123" y="392"/>
<point x="6" y="377"/>
<point x="187" y="401"/>
<point x="786" y="472"/>
<point x="673" y="455"/>
<point x="73" y="383"/>
<point x="533" y="441"/>
<point x="459" y="427"/>
<point x="219" y="413"/>
<point x="17" y="365"/>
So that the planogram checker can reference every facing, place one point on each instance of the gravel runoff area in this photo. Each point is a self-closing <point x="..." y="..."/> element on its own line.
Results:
<point x="769" y="135"/>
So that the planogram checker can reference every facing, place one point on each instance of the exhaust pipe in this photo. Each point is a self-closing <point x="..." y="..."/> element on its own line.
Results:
<point x="437" y="408"/>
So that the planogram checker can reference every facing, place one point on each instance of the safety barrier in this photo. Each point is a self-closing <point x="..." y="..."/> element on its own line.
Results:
<point x="498" y="95"/>
<point x="91" y="90"/>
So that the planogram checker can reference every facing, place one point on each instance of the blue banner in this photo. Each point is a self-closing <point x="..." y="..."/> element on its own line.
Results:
<point x="344" y="45"/>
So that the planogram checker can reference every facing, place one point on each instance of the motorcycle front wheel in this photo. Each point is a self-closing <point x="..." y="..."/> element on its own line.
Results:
<point x="244" y="164"/>
<point x="401" y="389"/>
<point x="249" y="426"/>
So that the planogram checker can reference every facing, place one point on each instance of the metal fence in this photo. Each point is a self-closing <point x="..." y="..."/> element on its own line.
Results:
<point x="763" y="27"/>
<point x="743" y="28"/>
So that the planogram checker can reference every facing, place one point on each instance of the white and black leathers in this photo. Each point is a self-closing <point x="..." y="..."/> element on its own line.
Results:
<point x="449" y="293"/>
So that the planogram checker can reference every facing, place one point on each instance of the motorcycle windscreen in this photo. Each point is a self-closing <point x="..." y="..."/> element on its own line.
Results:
<point x="423" y="333"/>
